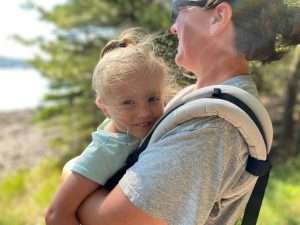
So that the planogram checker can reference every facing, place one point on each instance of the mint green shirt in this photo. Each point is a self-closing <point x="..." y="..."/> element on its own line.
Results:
<point x="105" y="155"/>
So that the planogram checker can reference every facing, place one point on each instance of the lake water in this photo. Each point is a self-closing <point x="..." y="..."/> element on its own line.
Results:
<point x="21" y="88"/>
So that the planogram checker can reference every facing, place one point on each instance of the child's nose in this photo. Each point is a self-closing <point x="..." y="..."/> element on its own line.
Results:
<point x="145" y="111"/>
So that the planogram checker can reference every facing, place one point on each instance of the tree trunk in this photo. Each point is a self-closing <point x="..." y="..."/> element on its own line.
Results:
<point x="287" y="137"/>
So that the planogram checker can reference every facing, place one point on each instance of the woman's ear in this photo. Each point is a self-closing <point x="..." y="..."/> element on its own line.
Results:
<point x="102" y="106"/>
<point x="221" y="18"/>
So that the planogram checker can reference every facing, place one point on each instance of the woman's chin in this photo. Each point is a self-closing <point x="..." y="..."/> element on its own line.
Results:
<point x="179" y="59"/>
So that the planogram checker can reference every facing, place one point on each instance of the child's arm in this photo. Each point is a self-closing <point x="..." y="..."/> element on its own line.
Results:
<point x="88" y="209"/>
<point x="74" y="189"/>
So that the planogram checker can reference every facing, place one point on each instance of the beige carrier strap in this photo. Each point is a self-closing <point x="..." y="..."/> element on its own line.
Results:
<point x="200" y="104"/>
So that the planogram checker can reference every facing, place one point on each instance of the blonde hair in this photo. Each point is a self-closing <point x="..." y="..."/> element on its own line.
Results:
<point x="129" y="57"/>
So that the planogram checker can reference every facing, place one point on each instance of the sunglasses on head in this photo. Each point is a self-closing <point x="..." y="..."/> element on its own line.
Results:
<point x="206" y="4"/>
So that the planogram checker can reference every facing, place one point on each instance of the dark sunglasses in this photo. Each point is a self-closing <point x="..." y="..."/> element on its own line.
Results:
<point x="206" y="4"/>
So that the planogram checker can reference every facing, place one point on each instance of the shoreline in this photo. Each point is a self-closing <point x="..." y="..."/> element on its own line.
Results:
<point x="23" y="144"/>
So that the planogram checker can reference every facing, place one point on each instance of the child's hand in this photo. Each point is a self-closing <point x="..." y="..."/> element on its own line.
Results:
<point x="110" y="127"/>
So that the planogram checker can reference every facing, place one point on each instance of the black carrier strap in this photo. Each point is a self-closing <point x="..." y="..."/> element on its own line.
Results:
<point x="259" y="168"/>
<point x="133" y="157"/>
<point x="254" y="166"/>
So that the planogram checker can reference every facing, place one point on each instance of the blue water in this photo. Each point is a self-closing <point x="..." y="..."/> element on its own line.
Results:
<point x="21" y="87"/>
<point x="12" y="63"/>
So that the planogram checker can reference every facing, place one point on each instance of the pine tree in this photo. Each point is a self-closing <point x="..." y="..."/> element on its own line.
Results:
<point x="83" y="27"/>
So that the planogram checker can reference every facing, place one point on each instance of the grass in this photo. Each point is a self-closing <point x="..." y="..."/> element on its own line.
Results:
<point x="282" y="203"/>
<point x="25" y="195"/>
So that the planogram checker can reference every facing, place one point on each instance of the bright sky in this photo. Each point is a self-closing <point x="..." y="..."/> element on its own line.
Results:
<point x="21" y="88"/>
<point x="16" y="20"/>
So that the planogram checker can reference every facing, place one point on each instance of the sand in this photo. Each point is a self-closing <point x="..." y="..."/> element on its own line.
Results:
<point x="23" y="144"/>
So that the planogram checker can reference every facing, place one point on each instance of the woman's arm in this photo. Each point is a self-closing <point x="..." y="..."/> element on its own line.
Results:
<point x="114" y="208"/>
<point x="154" y="193"/>
<point x="87" y="210"/>
<point x="74" y="189"/>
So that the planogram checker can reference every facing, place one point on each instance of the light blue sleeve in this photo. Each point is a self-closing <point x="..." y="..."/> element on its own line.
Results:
<point x="103" y="157"/>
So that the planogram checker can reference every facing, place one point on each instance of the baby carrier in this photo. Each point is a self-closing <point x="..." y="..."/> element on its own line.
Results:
<point x="240" y="109"/>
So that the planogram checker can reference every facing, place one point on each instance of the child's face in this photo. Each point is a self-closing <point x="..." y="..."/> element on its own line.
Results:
<point x="135" y="105"/>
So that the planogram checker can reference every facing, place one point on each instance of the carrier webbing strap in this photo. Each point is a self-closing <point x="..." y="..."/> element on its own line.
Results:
<point x="254" y="166"/>
<point x="133" y="157"/>
<point x="254" y="204"/>
<point x="260" y="168"/>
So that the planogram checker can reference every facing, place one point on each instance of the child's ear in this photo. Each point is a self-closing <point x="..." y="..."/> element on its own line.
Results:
<point x="101" y="105"/>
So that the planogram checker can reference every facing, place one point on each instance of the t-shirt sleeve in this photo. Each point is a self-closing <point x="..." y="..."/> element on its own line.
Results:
<point x="178" y="178"/>
<point x="102" y="158"/>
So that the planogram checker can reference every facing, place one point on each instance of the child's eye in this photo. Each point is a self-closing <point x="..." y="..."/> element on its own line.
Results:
<point x="154" y="99"/>
<point x="128" y="102"/>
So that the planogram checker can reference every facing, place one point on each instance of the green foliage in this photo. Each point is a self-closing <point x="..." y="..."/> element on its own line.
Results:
<point x="26" y="194"/>
<point x="83" y="27"/>
<point x="76" y="13"/>
<point x="282" y="202"/>
<point x="274" y="74"/>
<point x="13" y="187"/>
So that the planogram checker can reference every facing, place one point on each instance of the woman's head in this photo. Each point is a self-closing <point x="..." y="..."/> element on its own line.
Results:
<point x="130" y="84"/>
<point x="204" y="35"/>
<point x="257" y="24"/>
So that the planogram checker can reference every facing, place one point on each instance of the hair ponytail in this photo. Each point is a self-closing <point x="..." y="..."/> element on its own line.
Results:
<point x="127" y="57"/>
<point x="114" y="44"/>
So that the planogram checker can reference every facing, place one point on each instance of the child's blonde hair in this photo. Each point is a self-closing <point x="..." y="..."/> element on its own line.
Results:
<point x="126" y="58"/>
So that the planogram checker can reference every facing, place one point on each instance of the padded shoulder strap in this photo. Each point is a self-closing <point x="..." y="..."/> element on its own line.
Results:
<point x="200" y="103"/>
<point x="239" y="108"/>
<point x="210" y="101"/>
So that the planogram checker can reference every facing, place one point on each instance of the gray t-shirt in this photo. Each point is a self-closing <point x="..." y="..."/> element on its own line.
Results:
<point x="195" y="174"/>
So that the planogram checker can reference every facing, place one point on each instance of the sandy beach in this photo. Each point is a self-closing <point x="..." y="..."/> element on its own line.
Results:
<point x="22" y="143"/>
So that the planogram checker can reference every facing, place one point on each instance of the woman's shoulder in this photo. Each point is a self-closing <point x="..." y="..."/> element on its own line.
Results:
<point x="183" y="92"/>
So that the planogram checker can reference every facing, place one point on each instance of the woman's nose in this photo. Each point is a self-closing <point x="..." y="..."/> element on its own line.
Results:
<point x="173" y="28"/>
